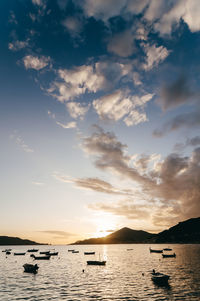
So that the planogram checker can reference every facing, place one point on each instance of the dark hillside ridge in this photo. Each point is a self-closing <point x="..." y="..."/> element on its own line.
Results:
<point x="8" y="241"/>
<point x="184" y="232"/>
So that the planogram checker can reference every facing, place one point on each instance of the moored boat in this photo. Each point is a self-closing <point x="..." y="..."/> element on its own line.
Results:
<point x="155" y="251"/>
<point x="168" y="255"/>
<point x="30" y="268"/>
<point x="74" y="252"/>
<point x="45" y="257"/>
<point x="32" y="250"/>
<point x="7" y="250"/>
<point x="19" y="253"/>
<point x="52" y="253"/>
<point x="96" y="262"/>
<point x="160" y="278"/>
<point x="167" y="249"/>
<point x="89" y="253"/>
<point x="45" y="252"/>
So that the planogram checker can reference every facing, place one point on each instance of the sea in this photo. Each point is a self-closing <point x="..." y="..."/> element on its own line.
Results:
<point x="126" y="275"/>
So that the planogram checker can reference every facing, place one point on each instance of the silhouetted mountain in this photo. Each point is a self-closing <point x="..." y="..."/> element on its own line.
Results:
<point x="8" y="241"/>
<point x="184" y="232"/>
<point x="124" y="235"/>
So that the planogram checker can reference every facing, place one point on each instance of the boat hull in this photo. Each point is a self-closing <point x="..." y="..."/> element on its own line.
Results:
<point x="96" y="262"/>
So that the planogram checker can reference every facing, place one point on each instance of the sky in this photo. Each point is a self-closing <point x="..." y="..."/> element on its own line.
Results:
<point x="99" y="116"/>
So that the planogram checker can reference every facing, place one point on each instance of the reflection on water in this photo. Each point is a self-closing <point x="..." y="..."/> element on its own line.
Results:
<point x="126" y="276"/>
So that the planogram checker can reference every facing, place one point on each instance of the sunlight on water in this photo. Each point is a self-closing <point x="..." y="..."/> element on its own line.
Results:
<point x="126" y="275"/>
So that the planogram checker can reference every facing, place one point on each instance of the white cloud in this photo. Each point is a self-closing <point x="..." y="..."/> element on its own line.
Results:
<point x="135" y="118"/>
<point x="119" y="104"/>
<point x="17" y="45"/>
<point x="69" y="125"/>
<point x="77" y="110"/>
<point x="113" y="106"/>
<point x="34" y="62"/>
<point x="155" y="55"/>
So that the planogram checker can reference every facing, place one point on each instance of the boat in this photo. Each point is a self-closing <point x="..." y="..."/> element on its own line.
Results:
<point x="30" y="268"/>
<point x="168" y="255"/>
<point x="32" y="250"/>
<point x="96" y="262"/>
<point x="167" y="249"/>
<point x="129" y="249"/>
<point x="19" y="253"/>
<point x="159" y="278"/>
<point x="74" y="252"/>
<point x="155" y="251"/>
<point x="71" y="250"/>
<point x="46" y="257"/>
<point x="89" y="253"/>
<point x="45" y="252"/>
<point x="7" y="250"/>
<point x="52" y="253"/>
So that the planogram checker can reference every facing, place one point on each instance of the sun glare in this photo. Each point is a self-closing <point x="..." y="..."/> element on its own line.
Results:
<point x="105" y="225"/>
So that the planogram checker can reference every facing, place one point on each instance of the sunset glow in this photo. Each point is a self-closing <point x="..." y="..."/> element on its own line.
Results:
<point x="99" y="117"/>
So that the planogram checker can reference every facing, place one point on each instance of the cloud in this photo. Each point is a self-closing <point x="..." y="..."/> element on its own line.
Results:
<point x="73" y="25"/>
<point x="17" y="45"/>
<point x="34" y="62"/>
<point x="106" y="9"/>
<point x="175" y="94"/>
<point x="154" y="56"/>
<point x="188" y="120"/>
<point x="171" y="184"/>
<point x="119" y="104"/>
<point x="37" y="183"/>
<point x="122" y="44"/>
<point x="61" y="234"/>
<point x="94" y="184"/>
<point x="77" y="110"/>
<point x="20" y="141"/>
<point x="69" y="125"/>
<point x="72" y="83"/>
<point x="125" y="208"/>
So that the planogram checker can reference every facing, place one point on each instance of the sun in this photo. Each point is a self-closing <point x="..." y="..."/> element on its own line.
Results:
<point x="105" y="225"/>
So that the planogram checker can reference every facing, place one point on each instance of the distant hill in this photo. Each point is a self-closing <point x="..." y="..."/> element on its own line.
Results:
<point x="184" y="232"/>
<point x="8" y="241"/>
<point x="124" y="235"/>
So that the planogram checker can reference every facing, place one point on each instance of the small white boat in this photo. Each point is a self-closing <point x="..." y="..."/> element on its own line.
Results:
<point x="31" y="268"/>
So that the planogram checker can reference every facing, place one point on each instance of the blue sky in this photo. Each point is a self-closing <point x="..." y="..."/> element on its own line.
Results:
<point x="99" y="116"/>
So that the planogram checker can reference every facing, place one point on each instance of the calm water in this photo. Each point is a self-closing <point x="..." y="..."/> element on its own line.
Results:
<point x="61" y="278"/>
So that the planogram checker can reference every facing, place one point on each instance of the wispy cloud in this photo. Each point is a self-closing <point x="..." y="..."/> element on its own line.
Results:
<point x="69" y="125"/>
<point x="20" y="141"/>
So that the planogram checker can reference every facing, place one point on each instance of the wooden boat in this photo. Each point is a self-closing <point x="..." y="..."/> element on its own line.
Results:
<point x="160" y="278"/>
<point x="46" y="257"/>
<point x="19" y="253"/>
<point x="96" y="262"/>
<point x="168" y="255"/>
<point x="52" y="253"/>
<point x="155" y="251"/>
<point x="71" y="250"/>
<point x="167" y="249"/>
<point x="74" y="252"/>
<point x="89" y="253"/>
<point x="45" y="252"/>
<point x="32" y="250"/>
<point x="31" y="268"/>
